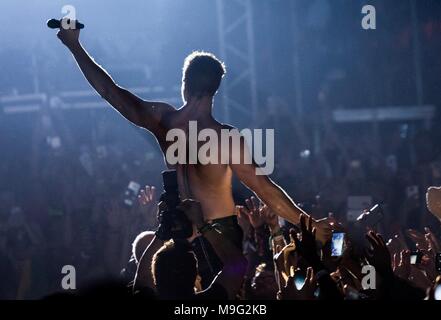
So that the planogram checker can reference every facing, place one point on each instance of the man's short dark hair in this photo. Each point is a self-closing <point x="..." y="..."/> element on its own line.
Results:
<point x="174" y="269"/>
<point x="202" y="74"/>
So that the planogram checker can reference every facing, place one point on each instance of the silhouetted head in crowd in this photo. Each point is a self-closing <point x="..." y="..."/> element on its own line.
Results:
<point x="141" y="243"/>
<point x="175" y="270"/>
<point x="201" y="75"/>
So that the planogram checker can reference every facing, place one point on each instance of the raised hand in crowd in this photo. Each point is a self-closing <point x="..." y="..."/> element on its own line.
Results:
<point x="397" y="244"/>
<point x="285" y="261"/>
<point x="242" y="219"/>
<point x="147" y="196"/>
<point x="306" y="246"/>
<point x="432" y="241"/>
<point x="253" y="212"/>
<point x="147" y="200"/>
<point x="401" y="264"/>
<point x="434" y="292"/>
<point x="306" y="292"/>
<point x="394" y="286"/>
<point x="270" y="219"/>
<point x="378" y="255"/>
<point x="259" y="214"/>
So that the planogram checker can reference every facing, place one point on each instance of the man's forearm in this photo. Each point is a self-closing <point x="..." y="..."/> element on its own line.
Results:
<point x="280" y="202"/>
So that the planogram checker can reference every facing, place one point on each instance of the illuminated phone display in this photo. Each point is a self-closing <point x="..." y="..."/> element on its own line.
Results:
<point x="338" y="239"/>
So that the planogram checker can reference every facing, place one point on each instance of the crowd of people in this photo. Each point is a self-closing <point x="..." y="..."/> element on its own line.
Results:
<point x="82" y="220"/>
<point x="70" y="177"/>
<point x="283" y="261"/>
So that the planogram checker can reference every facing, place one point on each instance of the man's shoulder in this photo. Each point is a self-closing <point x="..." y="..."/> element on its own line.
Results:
<point x="160" y="111"/>
<point x="215" y="125"/>
<point x="160" y="107"/>
<point x="226" y="126"/>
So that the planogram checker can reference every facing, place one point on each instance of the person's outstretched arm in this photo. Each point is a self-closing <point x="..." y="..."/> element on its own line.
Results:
<point x="145" y="114"/>
<point x="271" y="193"/>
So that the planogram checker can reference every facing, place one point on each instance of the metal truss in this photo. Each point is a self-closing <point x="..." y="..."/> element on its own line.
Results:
<point x="236" y="46"/>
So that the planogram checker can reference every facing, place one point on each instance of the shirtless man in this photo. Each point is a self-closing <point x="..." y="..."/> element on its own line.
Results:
<point x="210" y="184"/>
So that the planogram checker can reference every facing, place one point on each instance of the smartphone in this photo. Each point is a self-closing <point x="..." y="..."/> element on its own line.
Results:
<point x="438" y="262"/>
<point x="415" y="257"/>
<point x="131" y="193"/>
<point x="438" y="292"/>
<point x="299" y="280"/>
<point x="337" y="244"/>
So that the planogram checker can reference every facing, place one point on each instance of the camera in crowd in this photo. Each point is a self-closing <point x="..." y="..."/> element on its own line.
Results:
<point x="173" y="223"/>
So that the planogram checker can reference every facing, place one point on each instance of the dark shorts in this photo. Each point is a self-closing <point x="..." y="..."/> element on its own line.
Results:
<point x="209" y="263"/>
<point x="229" y="227"/>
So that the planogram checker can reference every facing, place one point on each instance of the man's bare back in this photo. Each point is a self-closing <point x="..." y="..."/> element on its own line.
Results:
<point x="210" y="184"/>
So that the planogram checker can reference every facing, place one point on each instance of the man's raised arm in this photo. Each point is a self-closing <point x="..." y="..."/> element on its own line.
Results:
<point x="142" y="113"/>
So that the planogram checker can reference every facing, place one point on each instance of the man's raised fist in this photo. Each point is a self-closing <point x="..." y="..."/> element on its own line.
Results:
<point x="69" y="37"/>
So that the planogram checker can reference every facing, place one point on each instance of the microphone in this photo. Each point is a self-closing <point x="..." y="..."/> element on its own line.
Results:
<point x="56" y="24"/>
